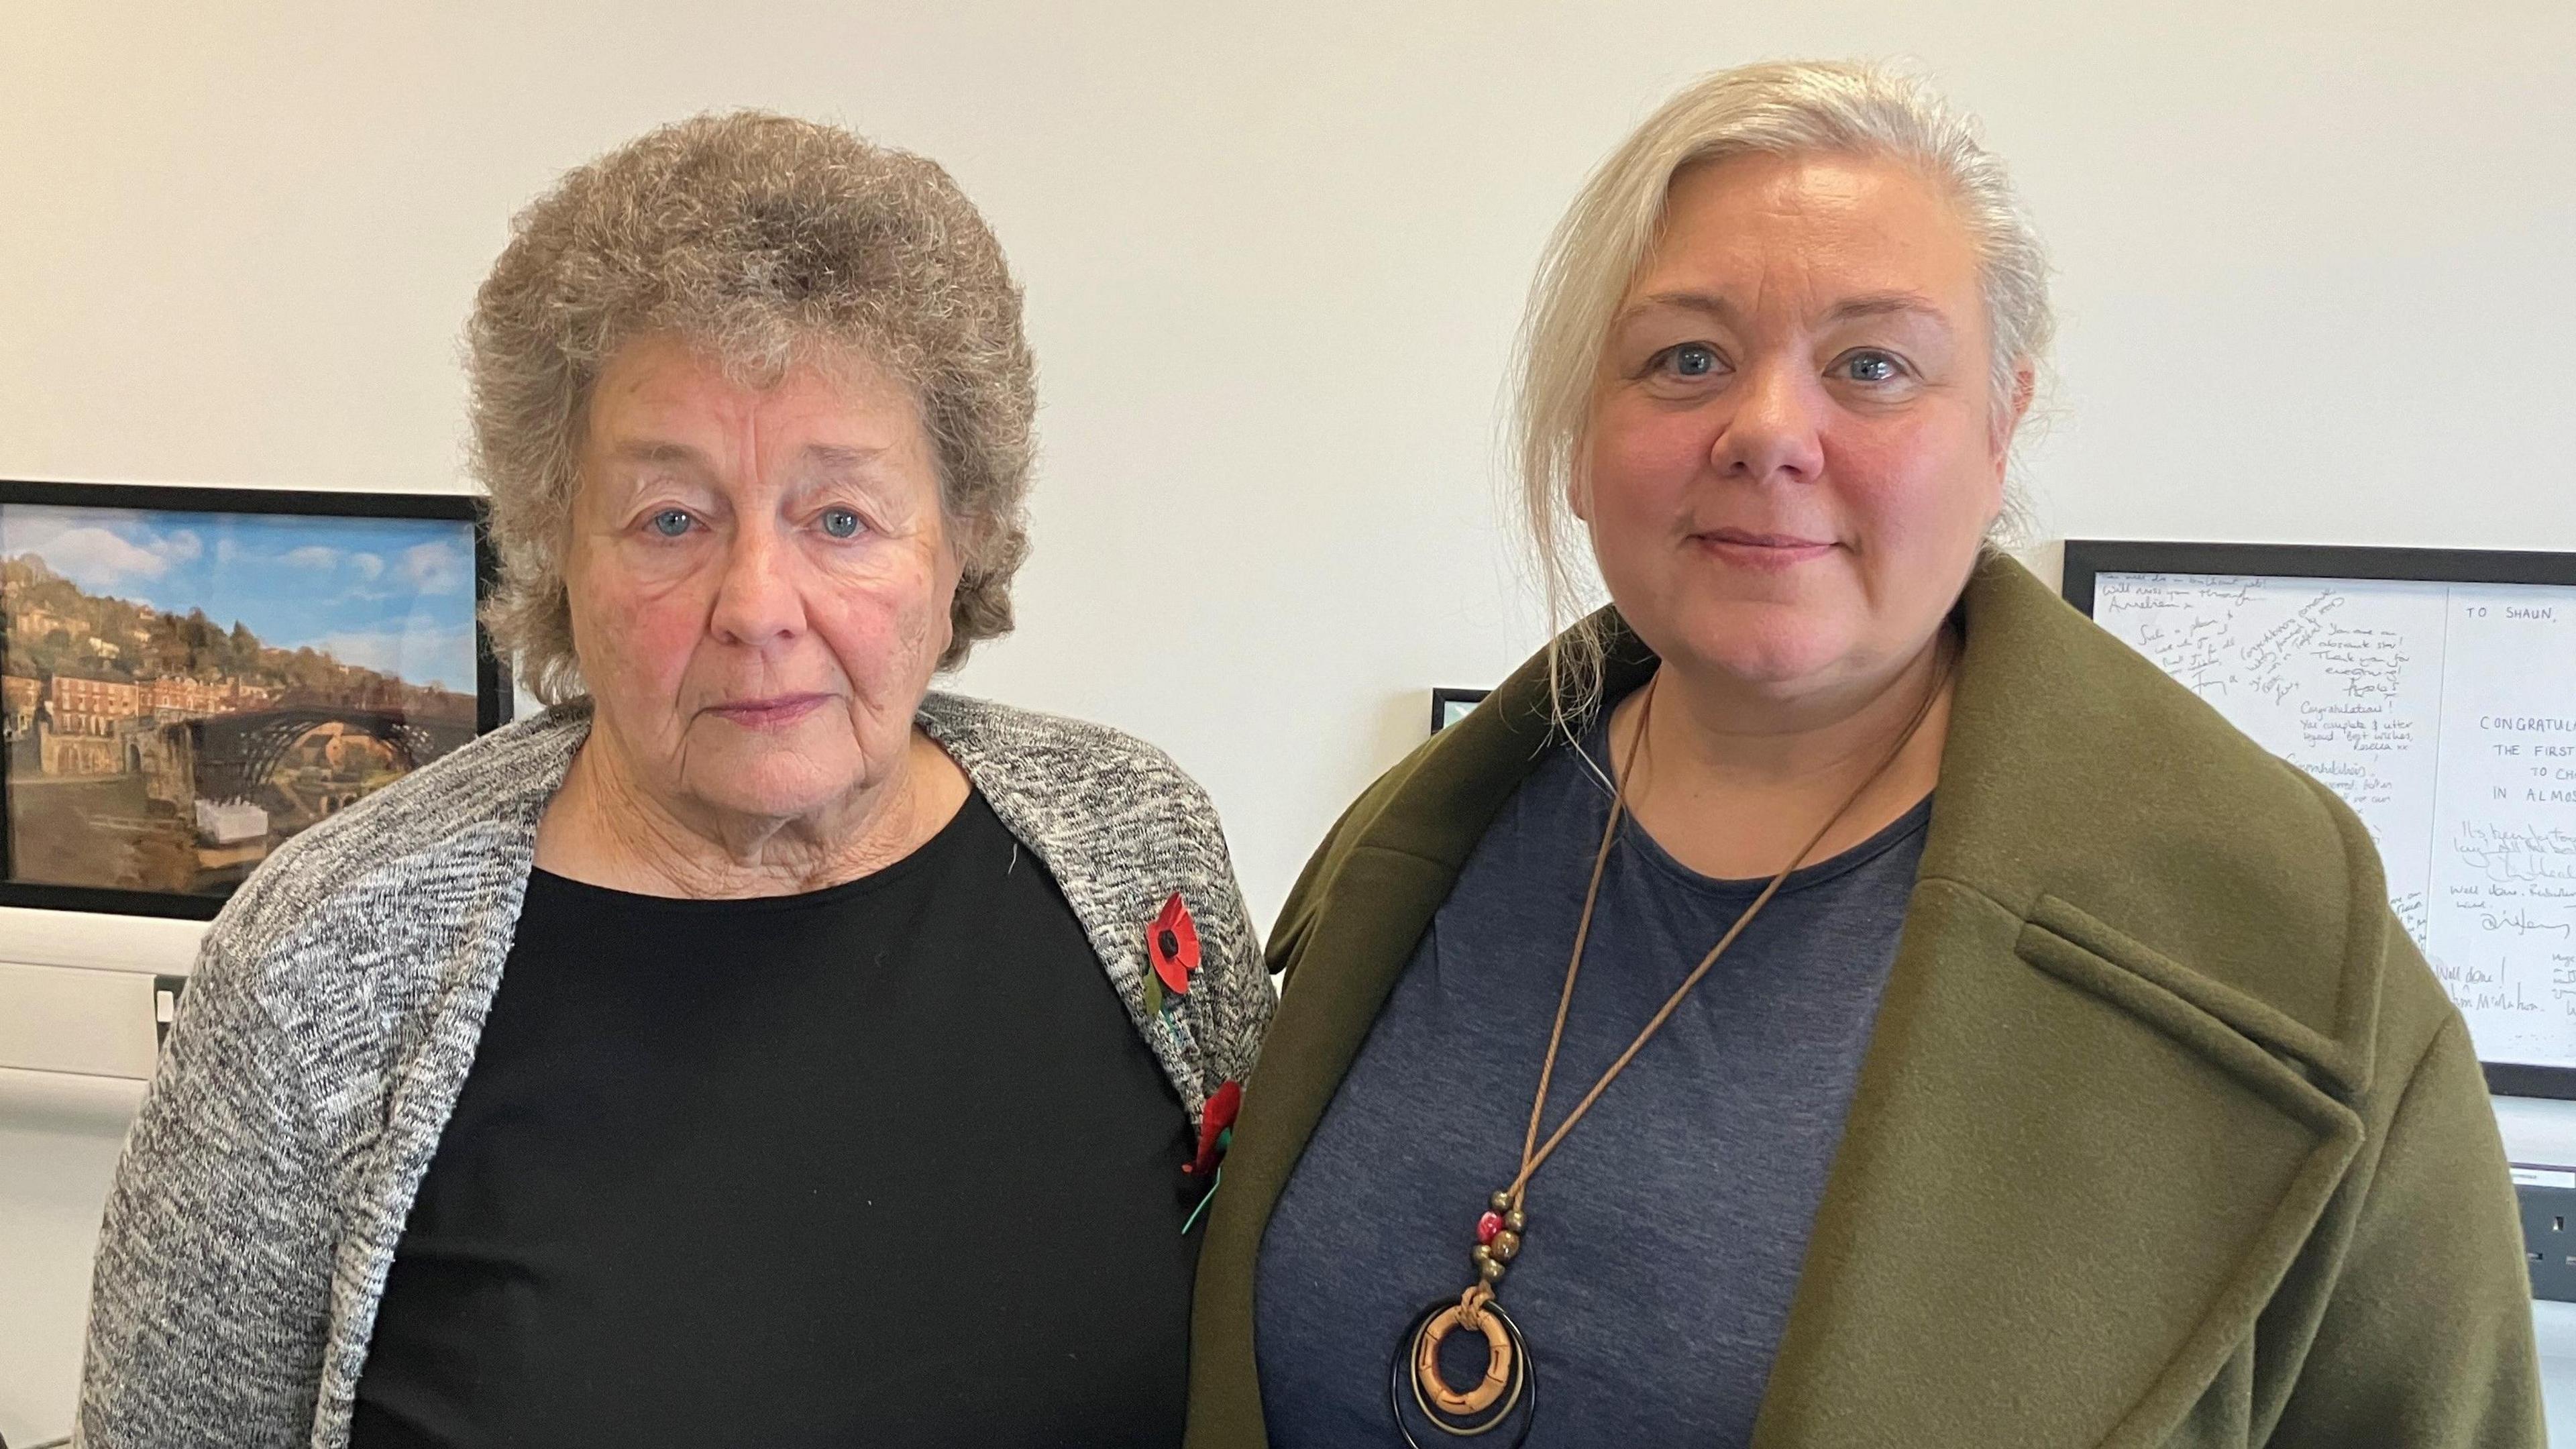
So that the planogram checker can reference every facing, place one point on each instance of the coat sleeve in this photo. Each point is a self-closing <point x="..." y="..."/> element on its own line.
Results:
<point x="211" y="1299"/>
<point x="2426" y="1342"/>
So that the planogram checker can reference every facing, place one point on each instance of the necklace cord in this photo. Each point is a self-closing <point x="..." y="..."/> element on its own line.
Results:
<point x="1530" y="1158"/>
<point x="1534" y="1156"/>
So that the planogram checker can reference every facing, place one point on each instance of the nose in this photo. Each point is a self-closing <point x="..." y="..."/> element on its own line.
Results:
<point x="1775" y="431"/>
<point x="756" y="603"/>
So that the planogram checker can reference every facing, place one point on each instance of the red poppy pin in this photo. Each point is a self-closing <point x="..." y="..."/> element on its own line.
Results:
<point x="1216" y="1127"/>
<point x="1173" y="943"/>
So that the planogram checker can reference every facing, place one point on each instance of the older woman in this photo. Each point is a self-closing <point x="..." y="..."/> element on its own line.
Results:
<point x="754" y="1048"/>
<point x="1837" y="995"/>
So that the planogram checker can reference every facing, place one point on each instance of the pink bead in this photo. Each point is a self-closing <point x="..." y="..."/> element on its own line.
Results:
<point x="1488" y="1225"/>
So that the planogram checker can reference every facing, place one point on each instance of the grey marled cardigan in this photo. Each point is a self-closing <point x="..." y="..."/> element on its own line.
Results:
<point x="336" y="1006"/>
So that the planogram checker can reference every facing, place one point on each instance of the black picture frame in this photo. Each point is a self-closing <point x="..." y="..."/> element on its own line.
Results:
<point x="1448" y="706"/>
<point x="2088" y="559"/>
<point x="493" y="699"/>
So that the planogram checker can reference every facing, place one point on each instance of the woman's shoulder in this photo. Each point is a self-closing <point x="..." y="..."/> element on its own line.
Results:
<point x="2073" y="761"/>
<point x="394" y="852"/>
<point x="1063" y="766"/>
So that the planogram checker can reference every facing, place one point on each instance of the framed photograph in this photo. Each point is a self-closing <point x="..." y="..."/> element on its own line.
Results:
<point x="1448" y="706"/>
<point x="2435" y="691"/>
<point x="191" y="676"/>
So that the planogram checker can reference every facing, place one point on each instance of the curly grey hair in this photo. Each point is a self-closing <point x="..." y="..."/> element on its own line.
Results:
<point x="1785" y="108"/>
<point x="762" y="238"/>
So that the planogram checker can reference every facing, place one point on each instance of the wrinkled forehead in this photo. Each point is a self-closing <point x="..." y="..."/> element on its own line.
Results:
<point x="673" y="380"/>
<point x="665" y="408"/>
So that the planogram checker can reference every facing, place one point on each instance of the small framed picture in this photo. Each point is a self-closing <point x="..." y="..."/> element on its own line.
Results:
<point x="1448" y="706"/>
<point x="191" y="676"/>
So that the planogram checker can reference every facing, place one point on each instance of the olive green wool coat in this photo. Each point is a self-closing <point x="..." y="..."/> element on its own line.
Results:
<point x="2166" y="1136"/>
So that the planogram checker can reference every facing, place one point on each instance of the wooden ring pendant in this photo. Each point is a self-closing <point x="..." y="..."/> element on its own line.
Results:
<point x="1506" y="1396"/>
<point x="1435" y="1385"/>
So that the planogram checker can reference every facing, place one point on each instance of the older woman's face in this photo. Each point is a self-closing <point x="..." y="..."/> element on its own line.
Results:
<point x="1794" y="453"/>
<point x="759" y="578"/>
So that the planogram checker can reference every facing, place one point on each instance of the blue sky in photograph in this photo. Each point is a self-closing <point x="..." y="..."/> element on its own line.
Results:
<point x="390" y="594"/>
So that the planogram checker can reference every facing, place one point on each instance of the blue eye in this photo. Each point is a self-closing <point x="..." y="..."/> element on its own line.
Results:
<point x="1694" y="359"/>
<point x="841" y="523"/>
<point x="1872" y="367"/>
<point x="671" y="522"/>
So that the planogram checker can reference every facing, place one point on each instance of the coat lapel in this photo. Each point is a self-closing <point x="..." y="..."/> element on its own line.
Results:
<point x="1992" y="1211"/>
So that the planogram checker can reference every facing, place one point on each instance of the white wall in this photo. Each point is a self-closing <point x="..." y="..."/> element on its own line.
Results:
<point x="2314" y="275"/>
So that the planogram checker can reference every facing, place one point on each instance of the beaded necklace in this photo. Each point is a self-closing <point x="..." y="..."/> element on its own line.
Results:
<point x="1508" y="1391"/>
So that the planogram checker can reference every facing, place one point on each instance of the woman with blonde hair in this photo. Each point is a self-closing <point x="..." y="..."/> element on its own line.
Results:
<point x="1836" y="995"/>
<point x="756" y="1047"/>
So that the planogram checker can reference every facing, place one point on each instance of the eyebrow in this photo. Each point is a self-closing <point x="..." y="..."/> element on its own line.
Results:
<point x="1868" y="304"/>
<point x="841" y="457"/>
<point x="1885" y="304"/>
<point x="648" y="451"/>
<point x="835" y="456"/>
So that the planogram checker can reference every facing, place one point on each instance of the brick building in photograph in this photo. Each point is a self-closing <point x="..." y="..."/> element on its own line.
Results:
<point x="85" y="719"/>
<point x="176" y="697"/>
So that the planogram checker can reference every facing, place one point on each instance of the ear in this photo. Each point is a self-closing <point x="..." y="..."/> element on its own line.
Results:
<point x="1578" y="480"/>
<point x="2025" y="385"/>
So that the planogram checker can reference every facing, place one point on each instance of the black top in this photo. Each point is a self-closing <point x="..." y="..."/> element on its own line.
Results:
<point x="882" y="1164"/>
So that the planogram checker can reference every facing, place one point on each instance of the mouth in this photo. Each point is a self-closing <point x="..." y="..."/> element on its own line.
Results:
<point x="772" y="712"/>
<point x="1772" y="551"/>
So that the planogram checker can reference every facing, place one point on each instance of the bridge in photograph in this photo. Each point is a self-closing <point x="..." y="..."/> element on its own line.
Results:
<point x="236" y="753"/>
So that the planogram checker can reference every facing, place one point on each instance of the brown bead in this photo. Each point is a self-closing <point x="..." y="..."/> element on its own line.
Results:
<point x="1502" y="1201"/>
<point x="1506" y="1246"/>
<point x="1516" y="1220"/>
<point x="1491" y="1270"/>
<point x="1482" y="1255"/>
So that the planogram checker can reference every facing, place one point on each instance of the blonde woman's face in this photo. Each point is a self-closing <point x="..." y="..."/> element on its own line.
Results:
<point x="759" y="577"/>
<point x="1794" y="454"/>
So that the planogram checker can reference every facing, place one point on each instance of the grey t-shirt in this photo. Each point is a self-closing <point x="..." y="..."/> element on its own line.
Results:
<point x="1666" y="1236"/>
